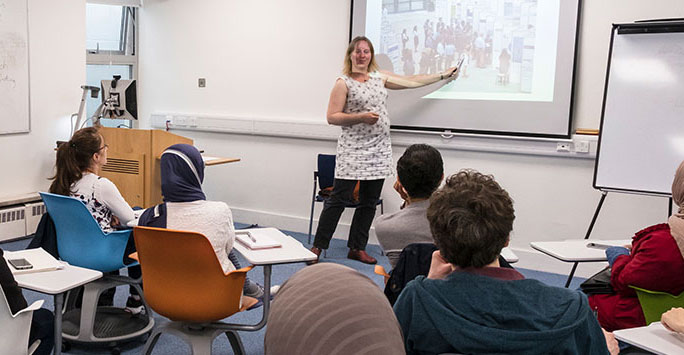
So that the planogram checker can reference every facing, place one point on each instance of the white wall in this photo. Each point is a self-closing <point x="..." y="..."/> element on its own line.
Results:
<point x="57" y="69"/>
<point x="230" y="42"/>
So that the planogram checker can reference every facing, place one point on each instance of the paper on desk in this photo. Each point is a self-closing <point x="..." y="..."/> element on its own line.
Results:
<point x="39" y="258"/>
<point x="261" y="240"/>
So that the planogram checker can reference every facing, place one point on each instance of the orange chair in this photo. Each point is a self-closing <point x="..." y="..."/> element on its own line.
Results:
<point x="184" y="282"/>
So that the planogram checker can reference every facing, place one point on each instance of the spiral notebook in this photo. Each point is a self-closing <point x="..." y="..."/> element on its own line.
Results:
<point x="254" y="240"/>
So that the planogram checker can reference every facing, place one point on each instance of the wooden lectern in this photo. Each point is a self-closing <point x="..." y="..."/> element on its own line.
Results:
<point x="133" y="164"/>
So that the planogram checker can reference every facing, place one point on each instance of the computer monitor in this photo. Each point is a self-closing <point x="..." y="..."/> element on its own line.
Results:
<point x="119" y="99"/>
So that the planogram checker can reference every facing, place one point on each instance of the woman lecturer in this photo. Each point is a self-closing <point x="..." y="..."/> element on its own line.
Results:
<point x="364" y="152"/>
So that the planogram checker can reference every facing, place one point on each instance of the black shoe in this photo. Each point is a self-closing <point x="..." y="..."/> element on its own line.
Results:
<point x="316" y="251"/>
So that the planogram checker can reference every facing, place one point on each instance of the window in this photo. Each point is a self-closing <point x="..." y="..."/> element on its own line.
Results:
<point x="111" y="48"/>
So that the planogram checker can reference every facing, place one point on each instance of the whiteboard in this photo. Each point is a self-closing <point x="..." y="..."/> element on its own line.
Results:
<point x="642" y="125"/>
<point x="14" y="67"/>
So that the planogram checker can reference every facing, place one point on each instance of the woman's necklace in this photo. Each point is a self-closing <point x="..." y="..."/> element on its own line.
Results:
<point x="361" y="77"/>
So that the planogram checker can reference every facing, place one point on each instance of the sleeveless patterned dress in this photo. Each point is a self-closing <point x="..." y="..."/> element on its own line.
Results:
<point x="364" y="152"/>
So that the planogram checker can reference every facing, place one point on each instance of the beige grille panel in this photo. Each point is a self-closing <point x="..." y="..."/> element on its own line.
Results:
<point x="122" y="166"/>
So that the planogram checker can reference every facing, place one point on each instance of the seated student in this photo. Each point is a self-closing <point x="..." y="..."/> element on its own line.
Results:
<point x="655" y="262"/>
<point x="420" y="170"/>
<point x="331" y="309"/>
<point x="42" y="323"/>
<point x="186" y="208"/>
<point x="468" y="304"/>
<point x="78" y="162"/>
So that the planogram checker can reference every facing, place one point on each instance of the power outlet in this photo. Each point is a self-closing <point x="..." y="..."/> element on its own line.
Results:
<point x="582" y="147"/>
<point x="180" y="121"/>
<point x="563" y="147"/>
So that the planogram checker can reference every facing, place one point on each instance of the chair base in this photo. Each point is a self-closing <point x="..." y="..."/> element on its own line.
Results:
<point x="111" y="324"/>
<point x="198" y="336"/>
<point x="93" y="324"/>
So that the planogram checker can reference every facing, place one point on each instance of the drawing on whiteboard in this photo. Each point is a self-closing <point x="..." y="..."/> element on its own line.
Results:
<point x="14" y="67"/>
<point x="12" y="52"/>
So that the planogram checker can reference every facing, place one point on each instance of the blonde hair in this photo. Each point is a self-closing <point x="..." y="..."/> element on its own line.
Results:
<point x="372" y="65"/>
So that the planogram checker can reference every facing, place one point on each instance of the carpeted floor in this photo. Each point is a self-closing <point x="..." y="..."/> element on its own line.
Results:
<point x="253" y="341"/>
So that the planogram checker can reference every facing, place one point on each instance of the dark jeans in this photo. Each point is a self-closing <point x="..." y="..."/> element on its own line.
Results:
<point x="42" y="327"/>
<point x="341" y="196"/>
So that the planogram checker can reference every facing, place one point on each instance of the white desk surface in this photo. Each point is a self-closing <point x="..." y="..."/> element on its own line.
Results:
<point x="57" y="281"/>
<point x="509" y="255"/>
<point x="654" y="338"/>
<point x="291" y="251"/>
<point x="576" y="249"/>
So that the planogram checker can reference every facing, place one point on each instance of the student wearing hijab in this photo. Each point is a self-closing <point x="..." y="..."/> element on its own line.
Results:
<point x="186" y="207"/>
<point x="331" y="309"/>
<point x="655" y="262"/>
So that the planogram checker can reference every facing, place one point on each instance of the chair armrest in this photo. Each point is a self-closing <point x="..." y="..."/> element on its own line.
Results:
<point x="381" y="271"/>
<point x="248" y="302"/>
<point x="651" y="292"/>
<point x="244" y="269"/>
<point x="34" y="306"/>
<point x="33" y="347"/>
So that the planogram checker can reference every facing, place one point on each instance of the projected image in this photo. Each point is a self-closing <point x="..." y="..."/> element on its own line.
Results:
<point x="507" y="47"/>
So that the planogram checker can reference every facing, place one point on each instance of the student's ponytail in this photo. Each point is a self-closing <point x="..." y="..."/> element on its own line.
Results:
<point x="74" y="158"/>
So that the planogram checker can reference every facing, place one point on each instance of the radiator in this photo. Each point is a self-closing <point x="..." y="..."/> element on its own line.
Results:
<point x="34" y="211"/>
<point x="12" y="222"/>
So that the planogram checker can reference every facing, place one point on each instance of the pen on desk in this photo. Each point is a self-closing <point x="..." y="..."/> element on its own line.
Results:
<point x="248" y="234"/>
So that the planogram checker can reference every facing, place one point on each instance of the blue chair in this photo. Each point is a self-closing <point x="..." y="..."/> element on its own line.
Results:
<point x="81" y="242"/>
<point x="324" y="178"/>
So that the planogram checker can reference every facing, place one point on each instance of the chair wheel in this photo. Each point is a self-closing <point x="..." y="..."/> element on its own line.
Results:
<point x="66" y="346"/>
<point x="116" y="351"/>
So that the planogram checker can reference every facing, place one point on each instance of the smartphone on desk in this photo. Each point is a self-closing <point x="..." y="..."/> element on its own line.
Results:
<point x="598" y="246"/>
<point x="20" y="264"/>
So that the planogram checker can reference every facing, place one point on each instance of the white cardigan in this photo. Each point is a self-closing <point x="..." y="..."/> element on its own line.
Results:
<point x="211" y="218"/>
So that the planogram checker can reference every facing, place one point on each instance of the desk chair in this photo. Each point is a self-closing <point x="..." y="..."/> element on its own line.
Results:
<point x="324" y="178"/>
<point x="15" y="328"/>
<point x="184" y="282"/>
<point x="81" y="242"/>
<point x="655" y="303"/>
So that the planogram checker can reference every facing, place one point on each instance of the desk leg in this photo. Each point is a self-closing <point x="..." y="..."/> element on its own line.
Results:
<point x="266" y="307"/>
<point x="267" y="293"/>
<point x="572" y="273"/>
<point x="59" y="304"/>
<point x="591" y="227"/>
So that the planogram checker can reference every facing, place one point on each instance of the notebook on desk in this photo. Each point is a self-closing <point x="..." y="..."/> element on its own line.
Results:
<point x="39" y="259"/>
<point x="254" y="240"/>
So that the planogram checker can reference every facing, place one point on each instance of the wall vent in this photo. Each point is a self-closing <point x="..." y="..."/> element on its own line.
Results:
<point x="122" y="166"/>
<point x="12" y="222"/>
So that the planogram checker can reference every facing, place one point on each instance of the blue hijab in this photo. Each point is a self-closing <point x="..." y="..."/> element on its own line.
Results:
<point x="182" y="173"/>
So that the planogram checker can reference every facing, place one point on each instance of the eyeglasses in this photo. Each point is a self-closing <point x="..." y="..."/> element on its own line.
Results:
<point x="103" y="147"/>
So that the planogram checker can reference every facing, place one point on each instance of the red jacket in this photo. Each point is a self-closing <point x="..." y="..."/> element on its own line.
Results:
<point x="655" y="263"/>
